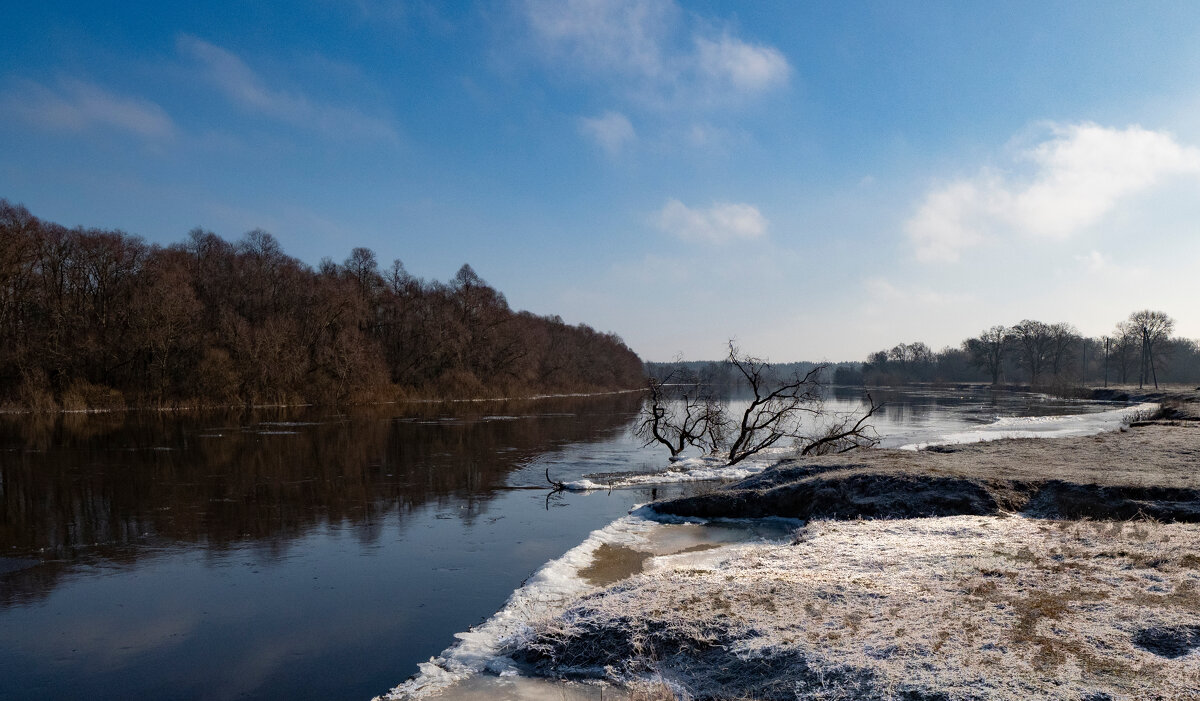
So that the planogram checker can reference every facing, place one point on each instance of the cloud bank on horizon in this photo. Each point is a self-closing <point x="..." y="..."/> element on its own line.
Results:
<point x="817" y="181"/>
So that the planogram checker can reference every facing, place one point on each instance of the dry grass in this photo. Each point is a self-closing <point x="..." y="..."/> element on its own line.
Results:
<point x="1149" y="469"/>
<point x="655" y="689"/>
<point x="970" y="607"/>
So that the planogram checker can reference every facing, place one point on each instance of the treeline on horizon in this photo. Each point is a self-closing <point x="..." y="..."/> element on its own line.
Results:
<point x="96" y="318"/>
<point x="1140" y="350"/>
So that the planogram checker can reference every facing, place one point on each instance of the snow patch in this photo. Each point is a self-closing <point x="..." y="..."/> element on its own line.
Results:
<point x="1043" y="426"/>
<point x="691" y="469"/>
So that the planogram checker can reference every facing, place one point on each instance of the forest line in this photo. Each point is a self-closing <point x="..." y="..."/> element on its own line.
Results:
<point x="1140" y="350"/>
<point x="95" y="318"/>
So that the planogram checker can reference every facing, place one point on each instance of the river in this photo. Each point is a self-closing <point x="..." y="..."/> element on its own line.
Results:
<point x="312" y="553"/>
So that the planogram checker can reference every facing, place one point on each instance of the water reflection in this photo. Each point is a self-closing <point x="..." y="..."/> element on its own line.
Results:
<point x="111" y="485"/>
<point x="307" y="554"/>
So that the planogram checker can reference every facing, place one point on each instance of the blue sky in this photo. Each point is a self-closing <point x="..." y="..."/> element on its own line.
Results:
<point x="818" y="180"/>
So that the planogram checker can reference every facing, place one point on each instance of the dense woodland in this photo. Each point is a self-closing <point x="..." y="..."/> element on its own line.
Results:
<point x="1139" y="351"/>
<point x="99" y="318"/>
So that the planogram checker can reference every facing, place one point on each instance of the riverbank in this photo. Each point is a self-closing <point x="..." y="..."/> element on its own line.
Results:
<point x="1067" y="568"/>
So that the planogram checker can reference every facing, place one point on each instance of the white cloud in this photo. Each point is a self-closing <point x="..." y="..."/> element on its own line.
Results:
<point x="247" y="89"/>
<point x="75" y="105"/>
<point x="652" y="50"/>
<point x="745" y="67"/>
<point x="721" y="223"/>
<point x="1075" y="178"/>
<point x="611" y="130"/>
<point x="622" y="36"/>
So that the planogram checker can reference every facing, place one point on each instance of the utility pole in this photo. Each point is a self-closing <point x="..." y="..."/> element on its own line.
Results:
<point x="1106" y="342"/>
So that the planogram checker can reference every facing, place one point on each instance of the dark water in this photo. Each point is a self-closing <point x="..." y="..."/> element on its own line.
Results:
<point x="309" y="554"/>
<point x="300" y="554"/>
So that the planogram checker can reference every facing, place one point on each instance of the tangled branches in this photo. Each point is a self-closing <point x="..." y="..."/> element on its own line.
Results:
<point x="681" y="410"/>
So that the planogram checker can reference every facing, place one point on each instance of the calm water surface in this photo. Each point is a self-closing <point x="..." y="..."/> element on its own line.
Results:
<point x="306" y="553"/>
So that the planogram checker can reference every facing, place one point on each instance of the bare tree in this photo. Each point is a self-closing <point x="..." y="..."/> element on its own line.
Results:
<point x="1033" y="343"/>
<point x="987" y="351"/>
<point x="1152" y="328"/>
<point x="1063" y="340"/>
<point x="680" y="411"/>
<point x="776" y="407"/>
<point x="1124" y="348"/>
<point x="846" y="433"/>
<point x="780" y="408"/>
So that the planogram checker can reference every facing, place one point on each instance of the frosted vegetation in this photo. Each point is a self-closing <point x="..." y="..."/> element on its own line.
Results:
<point x="962" y="607"/>
<point x="1004" y="605"/>
<point x="1037" y="604"/>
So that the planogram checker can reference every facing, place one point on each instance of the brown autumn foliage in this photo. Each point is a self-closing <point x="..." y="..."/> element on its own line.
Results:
<point x="100" y="319"/>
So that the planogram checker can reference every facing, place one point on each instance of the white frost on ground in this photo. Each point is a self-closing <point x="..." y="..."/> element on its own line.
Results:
<point x="705" y="468"/>
<point x="1043" y="426"/>
<point x="972" y="607"/>
<point x="561" y="582"/>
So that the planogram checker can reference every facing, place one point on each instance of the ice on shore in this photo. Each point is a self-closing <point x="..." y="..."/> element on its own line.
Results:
<point x="713" y="468"/>
<point x="561" y="582"/>
<point x="555" y="585"/>
<point x="1042" y="427"/>
<point x="691" y="469"/>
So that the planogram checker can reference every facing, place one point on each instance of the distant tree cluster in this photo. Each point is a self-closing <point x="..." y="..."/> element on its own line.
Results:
<point x="95" y="318"/>
<point x="723" y="379"/>
<point x="1140" y="351"/>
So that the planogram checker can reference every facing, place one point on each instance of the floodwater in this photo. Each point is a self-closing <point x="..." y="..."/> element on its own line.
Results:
<point x="310" y="553"/>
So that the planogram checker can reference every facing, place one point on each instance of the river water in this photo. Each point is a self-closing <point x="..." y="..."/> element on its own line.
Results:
<point x="311" y="553"/>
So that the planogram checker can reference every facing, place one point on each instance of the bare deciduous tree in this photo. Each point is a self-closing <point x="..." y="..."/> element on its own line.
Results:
<point x="1063" y="340"/>
<point x="987" y="350"/>
<point x="679" y="414"/>
<point x="681" y="411"/>
<point x="776" y="408"/>
<point x="1032" y="340"/>
<point x="1152" y="328"/>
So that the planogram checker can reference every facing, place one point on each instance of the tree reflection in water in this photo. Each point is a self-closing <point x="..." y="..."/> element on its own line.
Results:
<point x="115" y="487"/>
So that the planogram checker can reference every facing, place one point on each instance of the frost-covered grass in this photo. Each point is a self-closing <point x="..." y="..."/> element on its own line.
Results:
<point x="970" y="607"/>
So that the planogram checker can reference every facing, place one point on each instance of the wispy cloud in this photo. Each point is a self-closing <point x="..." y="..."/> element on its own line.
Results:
<point x="723" y="222"/>
<point x="652" y="50"/>
<point x="624" y="37"/>
<point x="745" y="67"/>
<point x="611" y="130"/>
<point x="245" y="88"/>
<point x="1074" y="178"/>
<point x="389" y="11"/>
<point x="76" y="105"/>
